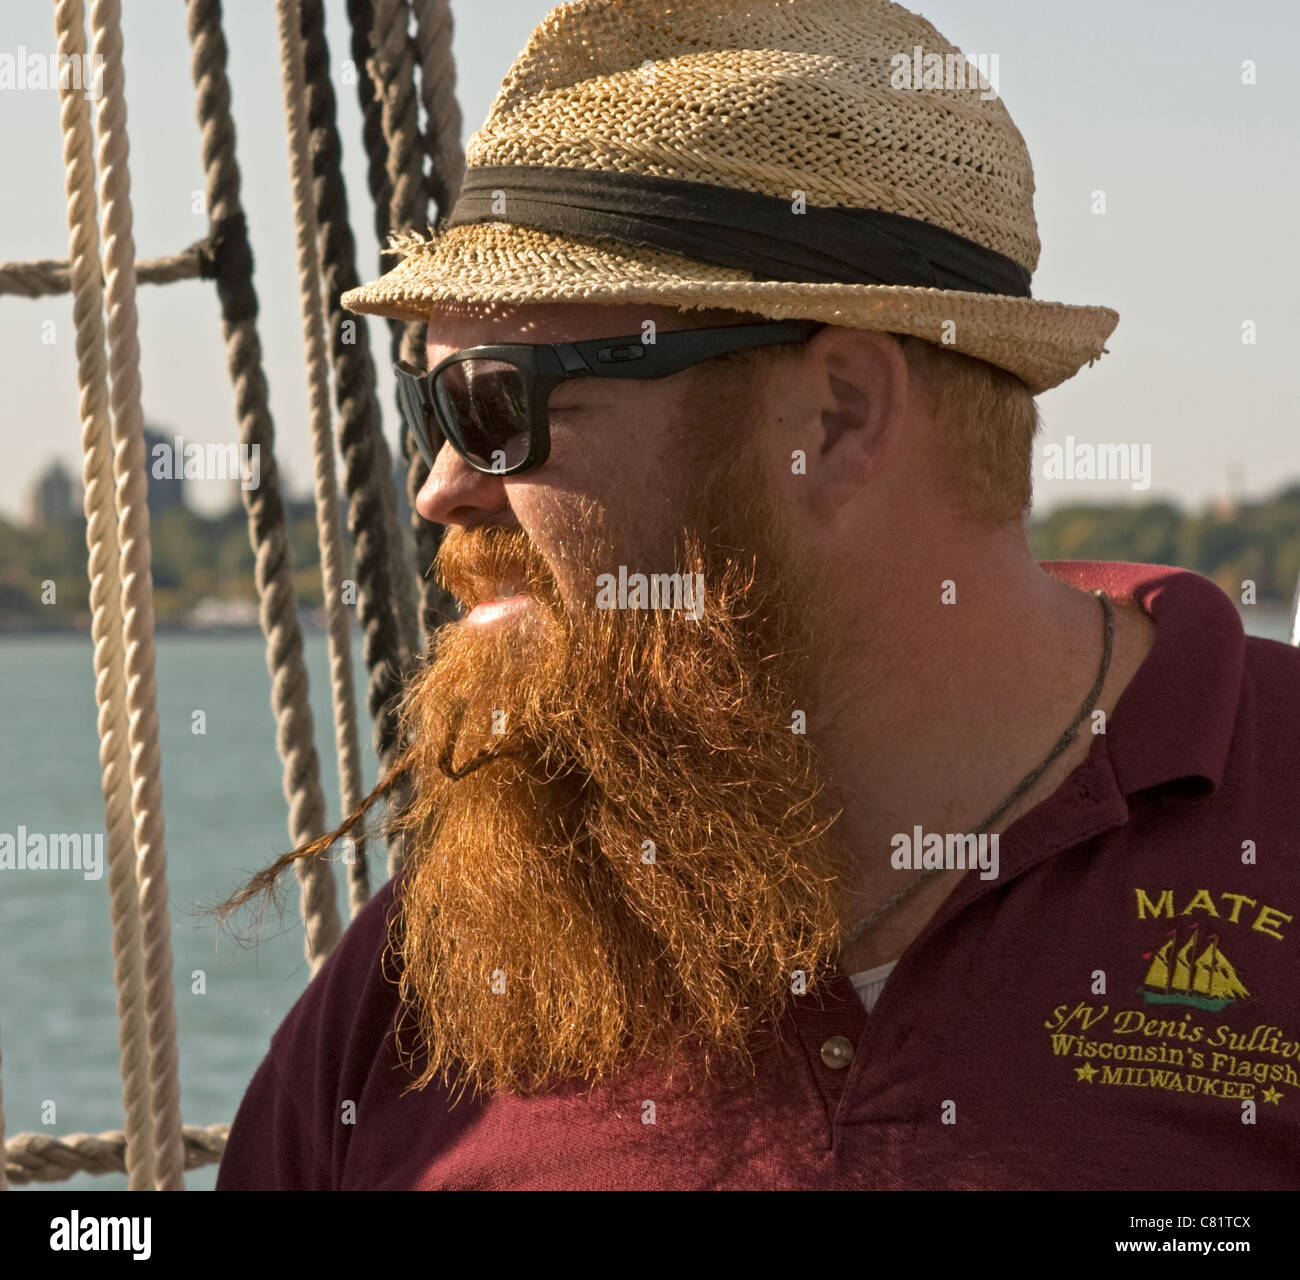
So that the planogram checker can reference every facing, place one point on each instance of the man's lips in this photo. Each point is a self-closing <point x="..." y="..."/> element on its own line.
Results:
<point x="497" y="607"/>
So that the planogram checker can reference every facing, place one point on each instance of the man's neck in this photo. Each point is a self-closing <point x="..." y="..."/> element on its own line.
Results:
<point x="950" y="706"/>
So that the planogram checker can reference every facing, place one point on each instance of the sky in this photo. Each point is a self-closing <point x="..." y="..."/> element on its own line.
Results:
<point x="1144" y="102"/>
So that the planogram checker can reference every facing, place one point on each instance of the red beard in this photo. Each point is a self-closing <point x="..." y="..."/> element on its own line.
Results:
<point x="616" y="842"/>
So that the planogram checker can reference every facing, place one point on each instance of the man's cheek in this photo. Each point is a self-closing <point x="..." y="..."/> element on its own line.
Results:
<point x="576" y="582"/>
<point x="576" y="549"/>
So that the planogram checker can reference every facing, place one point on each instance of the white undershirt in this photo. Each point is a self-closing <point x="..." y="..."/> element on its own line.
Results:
<point x="871" y="982"/>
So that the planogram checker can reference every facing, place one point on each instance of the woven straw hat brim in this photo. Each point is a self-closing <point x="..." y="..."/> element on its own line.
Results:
<point x="1042" y="343"/>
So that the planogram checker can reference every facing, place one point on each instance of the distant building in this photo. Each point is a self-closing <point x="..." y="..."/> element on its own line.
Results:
<point x="55" y="498"/>
<point x="1228" y="507"/>
<point x="164" y="494"/>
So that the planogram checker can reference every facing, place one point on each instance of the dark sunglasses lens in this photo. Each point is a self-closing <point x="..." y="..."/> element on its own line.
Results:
<point x="485" y="404"/>
<point x="416" y="413"/>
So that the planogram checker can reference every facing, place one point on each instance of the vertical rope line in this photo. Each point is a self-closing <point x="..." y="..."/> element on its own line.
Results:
<point x="105" y="598"/>
<point x="327" y="507"/>
<point x="440" y="141"/>
<point x="137" y="596"/>
<point x="361" y="19"/>
<point x="391" y="66"/>
<point x="443" y="124"/>
<point x="385" y="602"/>
<point x="392" y="72"/>
<point x="266" y="524"/>
<point x="383" y="44"/>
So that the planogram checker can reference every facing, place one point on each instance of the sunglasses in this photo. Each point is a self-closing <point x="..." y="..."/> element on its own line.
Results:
<point x="490" y="402"/>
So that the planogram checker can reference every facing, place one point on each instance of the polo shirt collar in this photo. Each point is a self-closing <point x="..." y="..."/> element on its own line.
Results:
<point x="1174" y="722"/>
<point x="1172" y="726"/>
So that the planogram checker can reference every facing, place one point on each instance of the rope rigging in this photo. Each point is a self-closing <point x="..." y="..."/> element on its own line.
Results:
<point x="385" y="606"/>
<point x="346" y="745"/>
<point x="273" y="570"/>
<point x="403" y="53"/>
<point x="85" y="280"/>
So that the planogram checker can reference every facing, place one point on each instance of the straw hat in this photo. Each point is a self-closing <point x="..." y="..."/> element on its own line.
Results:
<point x="792" y="158"/>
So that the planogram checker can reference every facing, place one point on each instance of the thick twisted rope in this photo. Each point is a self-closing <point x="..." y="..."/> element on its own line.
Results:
<point x="361" y="18"/>
<point x="441" y="142"/>
<point x="433" y="32"/>
<point x="385" y="603"/>
<point x="105" y="602"/>
<point x="272" y="568"/>
<point x="47" y="277"/>
<point x="391" y="115"/>
<point x="39" y="1157"/>
<point x="377" y="99"/>
<point x="137" y="595"/>
<point x="392" y="66"/>
<point x="347" y="747"/>
<point x="391" y="72"/>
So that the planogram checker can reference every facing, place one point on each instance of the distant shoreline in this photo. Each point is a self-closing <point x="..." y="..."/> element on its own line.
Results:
<point x="30" y="627"/>
<point x="1272" y="611"/>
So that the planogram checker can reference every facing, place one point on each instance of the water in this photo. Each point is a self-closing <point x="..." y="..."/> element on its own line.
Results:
<point x="225" y="816"/>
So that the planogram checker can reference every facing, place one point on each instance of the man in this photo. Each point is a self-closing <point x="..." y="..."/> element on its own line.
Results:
<point x="774" y="819"/>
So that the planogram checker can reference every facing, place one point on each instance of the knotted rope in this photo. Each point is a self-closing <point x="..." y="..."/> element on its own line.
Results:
<point x="272" y="567"/>
<point x="38" y="1157"/>
<point x="48" y="277"/>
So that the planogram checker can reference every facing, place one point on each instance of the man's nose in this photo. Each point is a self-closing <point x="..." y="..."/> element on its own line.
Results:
<point x="455" y="493"/>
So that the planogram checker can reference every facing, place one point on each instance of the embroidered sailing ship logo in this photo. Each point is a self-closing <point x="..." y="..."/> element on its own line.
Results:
<point x="1204" y="980"/>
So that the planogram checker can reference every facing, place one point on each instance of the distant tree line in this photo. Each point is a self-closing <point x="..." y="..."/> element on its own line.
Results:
<point x="1257" y="541"/>
<point x="195" y="557"/>
<point x="198" y="557"/>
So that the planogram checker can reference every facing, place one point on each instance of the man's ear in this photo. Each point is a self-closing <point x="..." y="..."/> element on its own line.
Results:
<point x="861" y="386"/>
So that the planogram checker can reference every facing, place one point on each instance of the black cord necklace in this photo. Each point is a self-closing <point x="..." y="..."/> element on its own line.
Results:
<point x="1089" y="706"/>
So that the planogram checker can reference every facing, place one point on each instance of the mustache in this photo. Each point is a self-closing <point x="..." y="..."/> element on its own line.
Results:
<point x="474" y="564"/>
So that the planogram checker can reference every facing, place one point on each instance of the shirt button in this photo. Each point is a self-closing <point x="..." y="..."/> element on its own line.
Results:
<point x="837" y="1052"/>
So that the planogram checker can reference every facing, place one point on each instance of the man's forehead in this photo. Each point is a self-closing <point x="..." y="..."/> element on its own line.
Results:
<point x="460" y="324"/>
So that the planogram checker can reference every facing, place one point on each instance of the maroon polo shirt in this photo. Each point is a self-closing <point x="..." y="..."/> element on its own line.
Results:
<point x="1117" y="1009"/>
